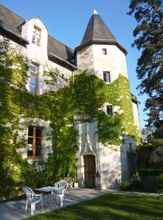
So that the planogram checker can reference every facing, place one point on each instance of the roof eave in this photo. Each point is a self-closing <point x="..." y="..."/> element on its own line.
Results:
<point x="12" y="35"/>
<point x="62" y="62"/>
<point x="107" y="42"/>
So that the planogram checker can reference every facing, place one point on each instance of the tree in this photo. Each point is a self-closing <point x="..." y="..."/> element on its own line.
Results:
<point x="149" y="40"/>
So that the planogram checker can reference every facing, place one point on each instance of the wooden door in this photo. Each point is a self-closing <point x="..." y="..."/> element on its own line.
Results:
<point x="89" y="170"/>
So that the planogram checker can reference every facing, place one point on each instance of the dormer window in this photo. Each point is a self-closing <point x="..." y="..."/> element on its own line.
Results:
<point x="36" y="37"/>
<point x="104" y="51"/>
<point x="107" y="76"/>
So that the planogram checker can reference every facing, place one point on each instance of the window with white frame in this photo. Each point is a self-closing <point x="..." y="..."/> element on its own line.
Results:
<point x="106" y="76"/>
<point x="36" y="36"/>
<point x="34" y="78"/>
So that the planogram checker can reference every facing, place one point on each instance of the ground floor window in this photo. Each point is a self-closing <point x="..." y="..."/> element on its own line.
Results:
<point x="34" y="141"/>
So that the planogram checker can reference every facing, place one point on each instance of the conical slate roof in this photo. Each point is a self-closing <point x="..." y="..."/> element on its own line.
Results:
<point x="97" y="32"/>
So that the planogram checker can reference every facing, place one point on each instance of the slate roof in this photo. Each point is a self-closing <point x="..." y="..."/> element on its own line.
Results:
<point x="10" y="25"/>
<point x="59" y="49"/>
<point x="10" y="20"/>
<point x="97" y="32"/>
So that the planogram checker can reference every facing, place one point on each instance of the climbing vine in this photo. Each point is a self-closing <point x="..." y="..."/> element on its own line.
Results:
<point x="13" y="77"/>
<point x="83" y="95"/>
<point x="91" y="94"/>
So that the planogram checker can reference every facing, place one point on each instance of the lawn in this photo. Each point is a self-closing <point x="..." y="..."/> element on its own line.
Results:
<point x="110" y="207"/>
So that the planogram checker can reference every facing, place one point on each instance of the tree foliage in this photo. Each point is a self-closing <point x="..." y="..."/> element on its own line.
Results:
<point x="149" y="40"/>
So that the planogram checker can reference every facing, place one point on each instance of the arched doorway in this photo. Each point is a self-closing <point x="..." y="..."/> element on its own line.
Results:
<point x="89" y="171"/>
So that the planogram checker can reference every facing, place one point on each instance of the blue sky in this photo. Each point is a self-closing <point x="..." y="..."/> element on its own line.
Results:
<point x="67" y="20"/>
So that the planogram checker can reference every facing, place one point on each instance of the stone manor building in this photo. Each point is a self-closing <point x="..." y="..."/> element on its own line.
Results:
<point x="98" y="165"/>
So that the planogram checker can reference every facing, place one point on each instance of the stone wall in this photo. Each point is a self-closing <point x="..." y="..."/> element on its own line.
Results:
<point x="110" y="166"/>
<point x="85" y="58"/>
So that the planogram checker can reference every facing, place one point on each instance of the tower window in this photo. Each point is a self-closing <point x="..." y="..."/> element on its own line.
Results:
<point x="34" y="140"/>
<point x="107" y="76"/>
<point x="104" y="51"/>
<point x="36" y="37"/>
<point x="34" y="78"/>
<point x="109" y="110"/>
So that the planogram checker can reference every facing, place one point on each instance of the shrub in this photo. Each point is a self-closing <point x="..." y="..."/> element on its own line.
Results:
<point x="160" y="184"/>
<point x="125" y="185"/>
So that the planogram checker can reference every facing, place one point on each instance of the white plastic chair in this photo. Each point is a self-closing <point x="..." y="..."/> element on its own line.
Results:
<point x="60" y="189"/>
<point x="32" y="199"/>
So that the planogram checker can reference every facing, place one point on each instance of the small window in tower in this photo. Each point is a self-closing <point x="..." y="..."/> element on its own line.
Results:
<point x="104" y="51"/>
<point x="109" y="110"/>
<point x="107" y="76"/>
<point x="36" y="37"/>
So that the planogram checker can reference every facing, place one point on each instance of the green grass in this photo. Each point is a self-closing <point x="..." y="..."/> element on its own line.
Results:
<point x="110" y="207"/>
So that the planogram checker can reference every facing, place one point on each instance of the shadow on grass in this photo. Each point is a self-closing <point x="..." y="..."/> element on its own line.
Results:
<point x="110" y="207"/>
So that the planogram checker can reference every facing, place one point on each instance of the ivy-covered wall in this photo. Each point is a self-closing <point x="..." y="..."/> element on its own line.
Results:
<point x="90" y="96"/>
<point x="84" y="96"/>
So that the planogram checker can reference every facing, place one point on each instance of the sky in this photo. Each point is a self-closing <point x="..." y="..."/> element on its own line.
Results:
<point x="67" y="21"/>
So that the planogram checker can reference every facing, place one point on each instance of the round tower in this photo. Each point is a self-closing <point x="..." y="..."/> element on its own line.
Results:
<point x="100" y="52"/>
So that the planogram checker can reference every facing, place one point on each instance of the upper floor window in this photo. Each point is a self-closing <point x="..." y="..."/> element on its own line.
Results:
<point x="104" y="51"/>
<point x="34" y="141"/>
<point x="4" y="43"/>
<point x="34" y="78"/>
<point x="107" y="76"/>
<point x="109" y="110"/>
<point x="36" y="37"/>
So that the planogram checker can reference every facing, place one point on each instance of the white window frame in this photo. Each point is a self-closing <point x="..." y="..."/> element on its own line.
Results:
<point x="36" y="35"/>
<point x="34" y="75"/>
<point x="107" y="79"/>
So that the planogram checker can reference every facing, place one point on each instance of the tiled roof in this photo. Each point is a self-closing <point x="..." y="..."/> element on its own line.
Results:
<point x="10" y="20"/>
<point x="97" y="32"/>
<point x="59" y="49"/>
<point x="11" y="23"/>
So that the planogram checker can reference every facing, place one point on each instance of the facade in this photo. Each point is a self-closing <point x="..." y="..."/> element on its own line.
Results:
<point x="98" y="165"/>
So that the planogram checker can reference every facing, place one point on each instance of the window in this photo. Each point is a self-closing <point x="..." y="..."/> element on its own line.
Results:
<point x="4" y="43"/>
<point x="109" y="110"/>
<point x="107" y="76"/>
<point x="34" y="141"/>
<point x="34" y="78"/>
<point x="104" y="51"/>
<point x="36" y="37"/>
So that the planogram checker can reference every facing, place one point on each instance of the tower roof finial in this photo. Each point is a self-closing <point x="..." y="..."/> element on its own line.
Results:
<point x="95" y="12"/>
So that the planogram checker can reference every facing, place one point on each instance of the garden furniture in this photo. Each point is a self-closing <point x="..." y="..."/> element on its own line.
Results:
<point x="32" y="199"/>
<point x="60" y="189"/>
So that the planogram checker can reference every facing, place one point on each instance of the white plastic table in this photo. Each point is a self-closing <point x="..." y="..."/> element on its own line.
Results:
<point x="49" y="190"/>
